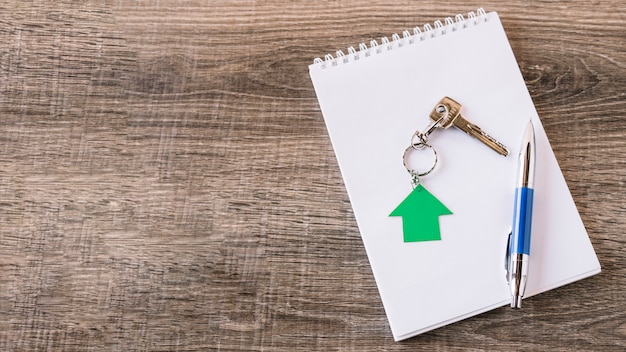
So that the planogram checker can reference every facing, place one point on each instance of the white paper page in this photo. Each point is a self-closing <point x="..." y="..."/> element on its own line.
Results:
<point x="373" y="105"/>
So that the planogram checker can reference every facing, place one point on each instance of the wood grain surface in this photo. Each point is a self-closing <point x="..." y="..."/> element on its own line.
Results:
<point x="167" y="182"/>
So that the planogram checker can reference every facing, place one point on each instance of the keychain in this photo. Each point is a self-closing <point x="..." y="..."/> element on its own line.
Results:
<point x="420" y="210"/>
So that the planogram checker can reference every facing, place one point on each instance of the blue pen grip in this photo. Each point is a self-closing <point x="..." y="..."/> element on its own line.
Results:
<point x="522" y="219"/>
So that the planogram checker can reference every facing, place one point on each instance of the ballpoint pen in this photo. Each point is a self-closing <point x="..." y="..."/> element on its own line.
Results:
<point x="519" y="245"/>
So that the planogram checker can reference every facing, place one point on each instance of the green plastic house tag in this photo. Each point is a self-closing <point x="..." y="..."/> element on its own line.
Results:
<point x="420" y="212"/>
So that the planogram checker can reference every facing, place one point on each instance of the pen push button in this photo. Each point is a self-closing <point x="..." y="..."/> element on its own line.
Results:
<point x="452" y="109"/>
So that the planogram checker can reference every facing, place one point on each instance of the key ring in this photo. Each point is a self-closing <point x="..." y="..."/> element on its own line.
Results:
<point x="415" y="174"/>
<point x="421" y="144"/>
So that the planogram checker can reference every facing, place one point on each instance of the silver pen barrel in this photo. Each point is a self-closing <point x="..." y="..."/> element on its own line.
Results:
<point x="520" y="245"/>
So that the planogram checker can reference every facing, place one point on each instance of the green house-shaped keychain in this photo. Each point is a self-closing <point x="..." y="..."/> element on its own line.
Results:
<point x="420" y="212"/>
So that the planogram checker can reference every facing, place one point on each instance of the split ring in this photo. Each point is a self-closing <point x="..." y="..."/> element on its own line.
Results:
<point x="417" y="148"/>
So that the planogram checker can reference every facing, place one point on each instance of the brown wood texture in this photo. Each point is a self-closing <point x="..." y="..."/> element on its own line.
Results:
<point x="167" y="182"/>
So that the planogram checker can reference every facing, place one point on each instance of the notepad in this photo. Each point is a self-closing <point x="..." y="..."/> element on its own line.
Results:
<point x="373" y="97"/>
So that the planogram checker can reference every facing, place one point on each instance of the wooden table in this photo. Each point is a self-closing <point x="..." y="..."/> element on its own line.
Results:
<point x="167" y="182"/>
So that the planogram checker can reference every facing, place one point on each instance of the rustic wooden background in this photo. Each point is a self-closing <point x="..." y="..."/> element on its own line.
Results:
<point x="167" y="182"/>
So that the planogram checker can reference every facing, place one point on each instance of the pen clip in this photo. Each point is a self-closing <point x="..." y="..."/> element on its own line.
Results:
<point x="507" y="256"/>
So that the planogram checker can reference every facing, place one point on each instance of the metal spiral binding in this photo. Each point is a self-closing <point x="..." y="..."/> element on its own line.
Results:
<point x="429" y="31"/>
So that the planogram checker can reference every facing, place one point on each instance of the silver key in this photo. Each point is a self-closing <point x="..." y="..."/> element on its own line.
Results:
<point x="448" y="113"/>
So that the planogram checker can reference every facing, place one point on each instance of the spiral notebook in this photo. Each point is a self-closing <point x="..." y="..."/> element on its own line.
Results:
<point x="373" y="97"/>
